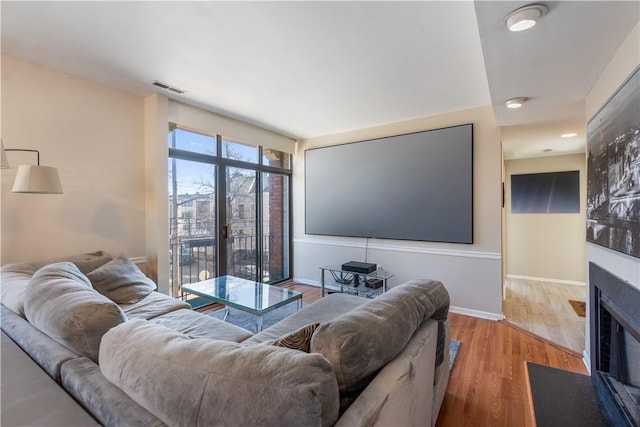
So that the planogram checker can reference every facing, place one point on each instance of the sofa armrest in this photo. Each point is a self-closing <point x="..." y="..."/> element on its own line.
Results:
<point x="30" y="397"/>
<point x="402" y="392"/>
<point x="107" y="403"/>
<point x="153" y="305"/>
<point x="46" y="352"/>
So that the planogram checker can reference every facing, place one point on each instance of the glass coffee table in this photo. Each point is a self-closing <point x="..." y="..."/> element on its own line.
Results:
<point x="252" y="297"/>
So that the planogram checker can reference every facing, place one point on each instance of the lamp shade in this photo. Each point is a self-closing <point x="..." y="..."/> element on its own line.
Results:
<point x="37" y="179"/>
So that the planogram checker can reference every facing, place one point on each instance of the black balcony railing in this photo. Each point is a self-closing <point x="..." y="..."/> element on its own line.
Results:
<point x="193" y="259"/>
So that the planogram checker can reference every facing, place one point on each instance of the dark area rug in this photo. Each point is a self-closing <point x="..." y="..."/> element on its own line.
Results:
<point x="563" y="398"/>
<point x="454" y="347"/>
<point x="249" y="321"/>
<point x="579" y="307"/>
<point x="199" y="302"/>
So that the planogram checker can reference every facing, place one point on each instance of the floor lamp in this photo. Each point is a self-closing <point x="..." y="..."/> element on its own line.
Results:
<point x="34" y="179"/>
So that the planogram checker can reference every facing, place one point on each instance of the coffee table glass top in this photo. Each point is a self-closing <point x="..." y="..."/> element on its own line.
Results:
<point x="255" y="297"/>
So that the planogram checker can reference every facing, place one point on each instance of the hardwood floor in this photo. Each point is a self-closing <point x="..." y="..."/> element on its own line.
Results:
<point x="543" y="308"/>
<point x="310" y="293"/>
<point x="487" y="386"/>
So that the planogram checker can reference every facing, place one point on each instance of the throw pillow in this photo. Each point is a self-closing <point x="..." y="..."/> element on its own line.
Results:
<point x="121" y="281"/>
<point x="14" y="279"/>
<point x="89" y="262"/>
<point x="298" y="340"/>
<point x="60" y="302"/>
<point x="85" y="262"/>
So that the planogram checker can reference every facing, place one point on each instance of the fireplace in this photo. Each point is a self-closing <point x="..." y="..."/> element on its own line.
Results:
<point x="614" y="307"/>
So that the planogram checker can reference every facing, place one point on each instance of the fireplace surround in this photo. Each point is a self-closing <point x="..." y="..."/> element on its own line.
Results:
<point x="614" y="314"/>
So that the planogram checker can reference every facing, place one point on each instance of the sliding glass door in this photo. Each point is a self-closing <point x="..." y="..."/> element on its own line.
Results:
<point x="229" y="210"/>
<point x="242" y="228"/>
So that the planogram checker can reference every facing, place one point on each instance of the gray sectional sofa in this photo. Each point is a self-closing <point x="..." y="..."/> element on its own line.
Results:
<point x="131" y="356"/>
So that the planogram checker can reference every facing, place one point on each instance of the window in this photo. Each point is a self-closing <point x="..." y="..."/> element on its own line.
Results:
<point x="193" y="142"/>
<point x="239" y="151"/>
<point x="276" y="158"/>
<point x="229" y="209"/>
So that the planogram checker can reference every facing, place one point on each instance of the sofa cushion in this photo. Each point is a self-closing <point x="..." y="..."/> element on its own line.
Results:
<point x="366" y="338"/>
<point x="60" y="301"/>
<point x="85" y="262"/>
<point x="153" y="305"/>
<point x="14" y="279"/>
<point x="322" y="310"/>
<point x="121" y="281"/>
<point x="217" y="382"/>
<point x="197" y="325"/>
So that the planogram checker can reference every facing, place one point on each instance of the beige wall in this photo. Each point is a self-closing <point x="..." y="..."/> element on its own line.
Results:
<point x="626" y="59"/>
<point x="93" y="134"/>
<point x="156" y="192"/>
<point x="546" y="246"/>
<point x="471" y="273"/>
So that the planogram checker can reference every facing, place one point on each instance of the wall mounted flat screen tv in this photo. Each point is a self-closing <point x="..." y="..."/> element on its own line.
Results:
<point x="417" y="186"/>
<point x="548" y="192"/>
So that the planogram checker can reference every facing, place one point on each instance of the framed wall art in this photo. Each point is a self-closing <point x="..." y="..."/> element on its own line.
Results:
<point x="613" y="171"/>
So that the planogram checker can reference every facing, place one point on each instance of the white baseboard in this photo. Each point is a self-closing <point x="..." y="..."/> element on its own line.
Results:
<point x="476" y="313"/>
<point x="306" y="281"/>
<point x="546" y="279"/>
<point x="139" y="260"/>
<point x="586" y="360"/>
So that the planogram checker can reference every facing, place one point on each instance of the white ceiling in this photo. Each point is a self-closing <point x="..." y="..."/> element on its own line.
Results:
<point x="555" y="65"/>
<point x="308" y="69"/>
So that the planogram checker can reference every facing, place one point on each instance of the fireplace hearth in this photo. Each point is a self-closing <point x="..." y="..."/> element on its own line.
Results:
<point x="614" y="312"/>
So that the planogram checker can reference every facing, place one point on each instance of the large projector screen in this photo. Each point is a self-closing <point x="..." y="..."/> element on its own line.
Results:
<point x="417" y="186"/>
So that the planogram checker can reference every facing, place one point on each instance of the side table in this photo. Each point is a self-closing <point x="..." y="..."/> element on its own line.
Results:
<point x="368" y="285"/>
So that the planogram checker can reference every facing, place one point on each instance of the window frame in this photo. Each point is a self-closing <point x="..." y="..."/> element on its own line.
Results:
<point x="259" y="168"/>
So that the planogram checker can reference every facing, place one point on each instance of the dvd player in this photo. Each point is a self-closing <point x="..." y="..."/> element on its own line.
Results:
<point x="359" y="267"/>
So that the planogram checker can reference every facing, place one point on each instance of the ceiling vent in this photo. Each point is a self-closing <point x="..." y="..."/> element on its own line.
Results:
<point x="167" y="87"/>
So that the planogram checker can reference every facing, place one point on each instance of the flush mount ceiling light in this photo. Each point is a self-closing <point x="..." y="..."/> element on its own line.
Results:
<point x="516" y="102"/>
<point x="568" y="135"/>
<point x="525" y="17"/>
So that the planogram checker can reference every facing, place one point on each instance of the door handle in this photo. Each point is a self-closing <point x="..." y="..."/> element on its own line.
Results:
<point x="227" y="231"/>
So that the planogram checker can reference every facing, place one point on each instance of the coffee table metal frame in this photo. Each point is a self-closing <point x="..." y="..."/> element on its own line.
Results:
<point x="255" y="298"/>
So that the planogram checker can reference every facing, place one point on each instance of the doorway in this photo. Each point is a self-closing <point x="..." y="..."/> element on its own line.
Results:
<point x="545" y="258"/>
<point x="543" y="308"/>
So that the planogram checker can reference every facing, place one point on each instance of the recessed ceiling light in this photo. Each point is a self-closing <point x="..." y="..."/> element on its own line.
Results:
<point x="568" y="135"/>
<point x="516" y="102"/>
<point x="525" y="17"/>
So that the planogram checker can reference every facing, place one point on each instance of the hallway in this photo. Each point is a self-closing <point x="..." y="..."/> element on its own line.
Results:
<point x="543" y="309"/>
